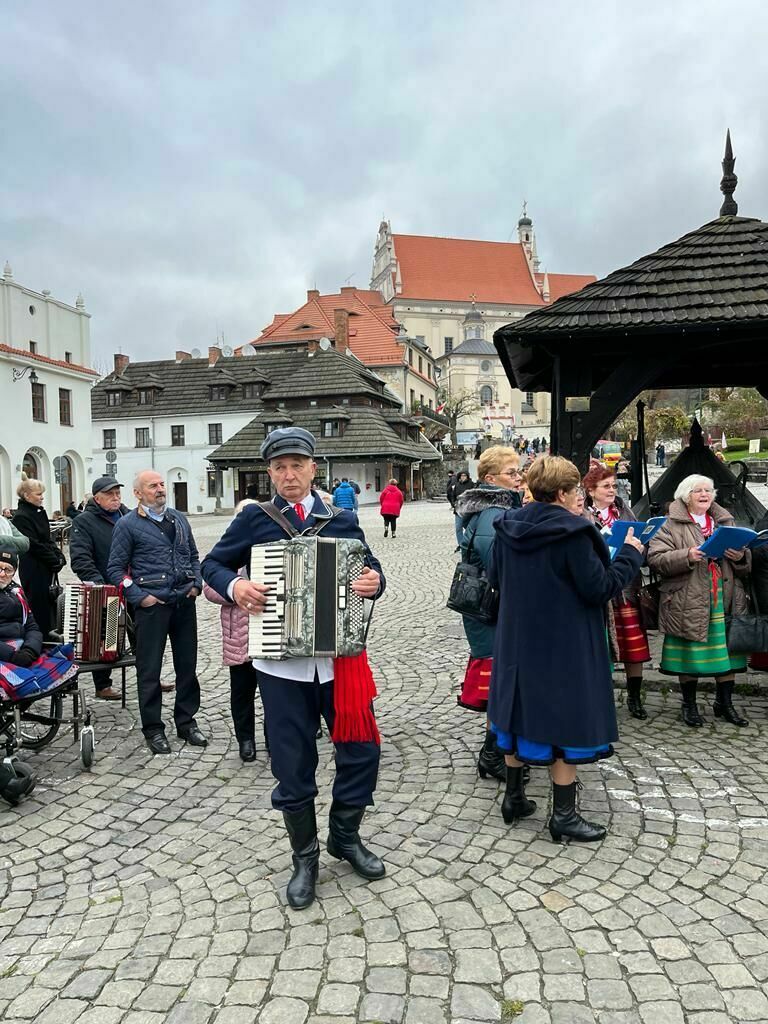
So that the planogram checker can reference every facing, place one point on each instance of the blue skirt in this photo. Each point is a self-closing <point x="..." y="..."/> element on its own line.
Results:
<point x="534" y="753"/>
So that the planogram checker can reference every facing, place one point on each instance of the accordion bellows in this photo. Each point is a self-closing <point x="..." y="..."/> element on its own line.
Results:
<point x="312" y="611"/>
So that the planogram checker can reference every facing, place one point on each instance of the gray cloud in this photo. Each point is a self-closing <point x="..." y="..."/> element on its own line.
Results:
<point x="194" y="168"/>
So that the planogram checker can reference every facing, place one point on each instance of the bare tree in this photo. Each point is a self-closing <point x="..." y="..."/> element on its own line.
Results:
<point x="456" y="404"/>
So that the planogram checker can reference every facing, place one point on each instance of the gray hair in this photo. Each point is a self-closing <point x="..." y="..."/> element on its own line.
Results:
<point x="690" y="483"/>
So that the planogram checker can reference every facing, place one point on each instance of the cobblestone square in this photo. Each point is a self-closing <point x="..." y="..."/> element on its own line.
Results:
<point x="152" y="889"/>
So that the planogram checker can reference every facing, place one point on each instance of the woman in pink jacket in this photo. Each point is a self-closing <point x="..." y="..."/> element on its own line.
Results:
<point x="391" y="501"/>
<point x="242" y="674"/>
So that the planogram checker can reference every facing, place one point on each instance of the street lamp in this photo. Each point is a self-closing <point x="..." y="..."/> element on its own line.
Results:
<point x="19" y="374"/>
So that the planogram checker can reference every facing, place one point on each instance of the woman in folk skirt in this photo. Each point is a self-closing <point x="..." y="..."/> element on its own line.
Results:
<point x="696" y="595"/>
<point x="629" y="641"/>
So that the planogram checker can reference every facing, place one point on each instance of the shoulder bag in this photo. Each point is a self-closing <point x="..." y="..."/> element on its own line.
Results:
<point x="747" y="634"/>
<point x="471" y="593"/>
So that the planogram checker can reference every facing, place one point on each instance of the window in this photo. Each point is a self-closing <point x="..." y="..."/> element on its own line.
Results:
<point x="146" y="396"/>
<point x="331" y="428"/>
<point x="429" y="370"/>
<point x="33" y="347"/>
<point x="413" y="398"/>
<point x="486" y="395"/>
<point x="110" y="439"/>
<point x="421" y="365"/>
<point x="65" y="407"/>
<point x="430" y="404"/>
<point x="410" y="357"/>
<point x="38" y="403"/>
<point x="269" y="427"/>
<point x="421" y="338"/>
<point x="377" y="479"/>
<point x="142" y="437"/>
<point x="485" y="365"/>
<point x="214" y="435"/>
<point x="114" y="398"/>
<point x="67" y="357"/>
<point x="218" y="392"/>
<point x="448" y="342"/>
<point x="421" y="401"/>
<point x="212" y="480"/>
<point x="177" y="436"/>
<point x="251" y="390"/>
<point x="529" y="398"/>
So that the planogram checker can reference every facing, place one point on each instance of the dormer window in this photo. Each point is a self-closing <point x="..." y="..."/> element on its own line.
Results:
<point x="275" y="425"/>
<point x="218" y="392"/>
<point x="253" y="390"/>
<point x="146" y="396"/>
<point x="114" y="398"/>
<point x="332" y="428"/>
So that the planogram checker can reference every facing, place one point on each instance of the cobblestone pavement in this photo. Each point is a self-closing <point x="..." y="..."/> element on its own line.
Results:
<point x="152" y="890"/>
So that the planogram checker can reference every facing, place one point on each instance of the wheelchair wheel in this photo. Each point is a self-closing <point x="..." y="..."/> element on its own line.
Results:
<point x="86" y="746"/>
<point x="39" y="728"/>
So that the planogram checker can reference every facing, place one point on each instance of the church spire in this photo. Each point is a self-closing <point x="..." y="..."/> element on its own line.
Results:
<point x="729" y="181"/>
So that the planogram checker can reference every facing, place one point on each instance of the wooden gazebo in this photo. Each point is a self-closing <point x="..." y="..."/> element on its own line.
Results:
<point x="692" y="314"/>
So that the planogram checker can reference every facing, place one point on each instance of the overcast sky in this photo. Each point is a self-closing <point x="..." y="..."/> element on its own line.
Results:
<point x="194" y="168"/>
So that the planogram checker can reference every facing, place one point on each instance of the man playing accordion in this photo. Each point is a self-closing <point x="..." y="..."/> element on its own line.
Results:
<point x="297" y="691"/>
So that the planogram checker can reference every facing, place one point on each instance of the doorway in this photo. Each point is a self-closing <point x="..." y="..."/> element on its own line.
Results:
<point x="180" y="496"/>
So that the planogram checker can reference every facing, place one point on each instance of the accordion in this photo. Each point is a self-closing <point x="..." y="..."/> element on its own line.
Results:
<point x="312" y="611"/>
<point x="94" y="621"/>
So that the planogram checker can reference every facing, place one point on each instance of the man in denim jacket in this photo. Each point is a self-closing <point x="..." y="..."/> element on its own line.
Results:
<point x="154" y="556"/>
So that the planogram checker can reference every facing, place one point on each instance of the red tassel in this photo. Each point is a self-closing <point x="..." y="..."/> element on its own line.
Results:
<point x="353" y="691"/>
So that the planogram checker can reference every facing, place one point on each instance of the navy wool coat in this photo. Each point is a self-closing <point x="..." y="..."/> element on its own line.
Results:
<point x="551" y="680"/>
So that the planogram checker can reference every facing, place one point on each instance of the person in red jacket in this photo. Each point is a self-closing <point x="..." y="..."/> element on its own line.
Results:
<point x="391" y="500"/>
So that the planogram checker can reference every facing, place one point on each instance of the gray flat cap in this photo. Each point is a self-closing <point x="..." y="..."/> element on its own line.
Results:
<point x="287" y="441"/>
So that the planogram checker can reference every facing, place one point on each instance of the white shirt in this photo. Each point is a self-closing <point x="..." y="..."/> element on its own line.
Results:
<point x="302" y="669"/>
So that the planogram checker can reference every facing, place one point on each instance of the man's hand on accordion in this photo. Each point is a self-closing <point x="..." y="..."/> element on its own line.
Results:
<point x="368" y="584"/>
<point x="252" y="597"/>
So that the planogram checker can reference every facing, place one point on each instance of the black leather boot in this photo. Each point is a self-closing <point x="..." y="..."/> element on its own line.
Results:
<point x="690" y="709"/>
<point x="635" y="699"/>
<point x="490" y="761"/>
<point x="344" y="841"/>
<point x="723" y="706"/>
<point x="302" y="831"/>
<point x="515" y="803"/>
<point x="566" y="822"/>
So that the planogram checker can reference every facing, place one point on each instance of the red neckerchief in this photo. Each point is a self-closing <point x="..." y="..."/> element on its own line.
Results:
<point x="715" y="572"/>
<point x="612" y="517"/>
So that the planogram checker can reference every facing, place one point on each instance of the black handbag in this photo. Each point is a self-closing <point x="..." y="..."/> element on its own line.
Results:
<point x="471" y="593"/>
<point x="55" y="589"/>
<point x="747" y="634"/>
<point x="648" y="598"/>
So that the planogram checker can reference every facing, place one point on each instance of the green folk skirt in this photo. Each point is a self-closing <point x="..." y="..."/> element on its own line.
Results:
<point x="694" y="658"/>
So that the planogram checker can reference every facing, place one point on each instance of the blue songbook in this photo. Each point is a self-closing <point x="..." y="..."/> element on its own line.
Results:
<point x="735" y="537"/>
<point x="644" y="531"/>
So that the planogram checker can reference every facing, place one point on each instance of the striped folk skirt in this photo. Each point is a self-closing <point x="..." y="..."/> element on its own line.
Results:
<point x="631" y="637"/>
<point x="711" y="658"/>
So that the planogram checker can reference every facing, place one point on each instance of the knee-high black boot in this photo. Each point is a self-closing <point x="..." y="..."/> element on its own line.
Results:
<point x="490" y="761"/>
<point x="302" y="831"/>
<point x="635" y="698"/>
<point x="515" y="803"/>
<point x="690" y="710"/>
<point x="344" y="841"/>
<point x="566" y="822"/>
<point x="723" y="706"/>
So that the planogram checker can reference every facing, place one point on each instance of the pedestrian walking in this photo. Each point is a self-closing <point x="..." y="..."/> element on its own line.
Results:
<point x="391" y="502"/>
<point x="697" y="594"/>
<point x="154" y="558"/>
<point x="297" y="691"/>
<point x="627" y="638"/>
<point x="89" y="545"/>
<point x="498" y="480"/>
<point x="551" y="698"/>
<point x="39" y="565"/>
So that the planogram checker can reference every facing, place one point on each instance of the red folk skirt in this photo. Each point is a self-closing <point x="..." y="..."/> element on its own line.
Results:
<point x="632" y="638"/>
<point x="477" y="682"/>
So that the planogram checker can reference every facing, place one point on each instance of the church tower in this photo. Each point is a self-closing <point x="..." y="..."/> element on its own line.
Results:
<point x="527" y="238"/>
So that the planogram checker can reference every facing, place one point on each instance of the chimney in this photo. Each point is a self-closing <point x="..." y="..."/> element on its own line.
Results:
<point x="181" y="356"/>
<point x="348" y="289"/>
<point x="121" y="362"/>
<point x="341" y="329"/>
<point x="214" y="352"/>
<point x="313" y="293"/>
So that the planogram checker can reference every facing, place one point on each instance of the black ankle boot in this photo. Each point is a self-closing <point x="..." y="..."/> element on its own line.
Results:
<point x="635" y="699"/>
<point x="566" y="822"/>
<point x="490" y="761"/>
<point x="689" y="709"/>
<point x="344" y="841"/>
<point x="723" y="706"/>
<point x="515" y="803"/>
<point x="302" y="831"/>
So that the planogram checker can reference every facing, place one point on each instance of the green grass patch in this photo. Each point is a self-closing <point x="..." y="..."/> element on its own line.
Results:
<point x="511" y="1008"/>
<point x="9" y="971"/>
<point x="741" y="454"/>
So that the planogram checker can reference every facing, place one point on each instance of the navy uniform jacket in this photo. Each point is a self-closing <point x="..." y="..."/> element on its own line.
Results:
<point x="253" y="526"/>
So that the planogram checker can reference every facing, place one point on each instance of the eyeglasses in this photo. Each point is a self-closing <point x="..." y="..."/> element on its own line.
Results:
<point x="7" y="572"/>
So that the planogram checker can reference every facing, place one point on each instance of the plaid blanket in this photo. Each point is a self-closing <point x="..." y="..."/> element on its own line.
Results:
<point x="50" y="670"/>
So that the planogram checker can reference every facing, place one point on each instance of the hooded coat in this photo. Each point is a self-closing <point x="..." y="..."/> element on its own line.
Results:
<point x="479" y="509"/>
<point x="551" y="680"/>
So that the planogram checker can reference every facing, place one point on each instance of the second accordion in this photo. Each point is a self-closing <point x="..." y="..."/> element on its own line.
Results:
<point x="94" y="621"/>
<point x="311" y="611"/>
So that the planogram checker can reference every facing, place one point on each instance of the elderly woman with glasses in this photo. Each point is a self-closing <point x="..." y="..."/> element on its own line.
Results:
<point x="478" y="509"/>
<point x="696" y="594"/>
<point x="20" y="639"/>
<point x="628" y="639"/>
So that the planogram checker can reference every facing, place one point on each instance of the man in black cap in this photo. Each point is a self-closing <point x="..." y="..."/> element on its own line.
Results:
<point x="297" y="691"/>
<point x="90" y="540"/>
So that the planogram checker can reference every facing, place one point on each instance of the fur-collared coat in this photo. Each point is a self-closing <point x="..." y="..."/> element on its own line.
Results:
<point x="479" y="508"/>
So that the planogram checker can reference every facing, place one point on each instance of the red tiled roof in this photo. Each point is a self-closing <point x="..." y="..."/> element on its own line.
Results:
<point x="47" y="359"/>
<point x="452" y="269"/>
<point x="372" y="327"/>
<point x="565" y="284"/>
